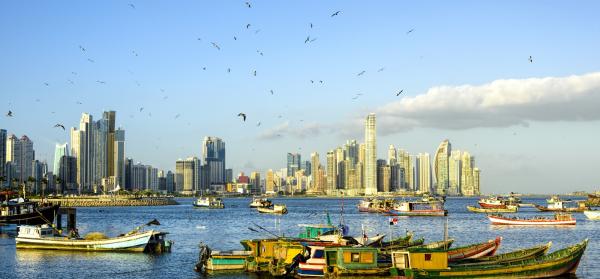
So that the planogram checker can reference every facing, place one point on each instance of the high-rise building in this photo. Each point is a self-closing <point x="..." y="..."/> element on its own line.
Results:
<point x="255" y="181"/>
<point x="441" y="167"/>
<point x="307" y="168"/>
<point x="315" y="166"/>
<point x="213" y="149"/>
<point x="454" y="171"/>
<point x="20" y="154"/>
<point x="170" y="181"/>
<point x="82" y="147"/>
<point x="293" y="163"/>
<point x="331" y="172"/>
<point x="59" y="151"/>
<point x="270" y="181"/>
<point x="383" y="176"/>
<point x="370" y="155"/>
<point x="3" y="139"/>
<point x="424" y="172"/>
<point x="151" y="178"/>
<point x="118" y="158"/>
<point x="392" y="155"/>
<point x="38" y="172"/>
<point x="466" y="177"/>
<point x="476" y="181"/>
<point x="67" y="172"/>
<point x="100" y="159"/>
<point x="128" y="173"/>
<point x="228" y="175"/>
<point x="111" y="145"/>
<point x="139" y="177"/>
<point x="351" y="151"/>
<point x="188" y="175"/>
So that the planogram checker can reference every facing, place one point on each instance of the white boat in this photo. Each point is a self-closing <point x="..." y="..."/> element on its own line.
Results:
<point x="276" y="209"/>
<point x="209" y="202"/>
<point x="314" y="265"/>
<point x="44" y="237"/>
<point x="559" y="219"/>
<point x="592" y="214"/>
<point x="261" y="202"/>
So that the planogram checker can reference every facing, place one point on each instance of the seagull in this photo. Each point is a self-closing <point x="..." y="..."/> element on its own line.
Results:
<point x="74" y="73"/>
<point x="229" y="70"/>
<point x="271" y="91"/>
<point x="70" y="81"/>
<point x="165" y="97"/>
<point x="254" y="72"/>
<point x="336" y="13"/>
<point x="243" y="115"/>
<point x="312" y="81"/>
<point x="45" y="83"/>
<point x="312" y="40"/>
<point x="101" y="81"/>
<point x="142" y="108"/>
<point x="410" y="31"/>
<point x="307" y="40"/>
<point x="248" y="4"/>
<point x="234" y="38"/>
<point x="258" y="124"/>
<point x="361" y="73"/>
<point x="91" y="60"/>
<point x="134" y="53"/>
<point x="9" y="114"/>
<point x="530" y="59"/>
<point x="215" y="45"/>
<point x="59" y="126"/>
<point x="257" y="30"/>
<point x="247" y="25"/>
<point x="82" y="48"/>
<point x="79" y="103"/>
<point x="177" y="116"/>
<point x="259" y="52"/>
<point x="381" y="69"/>
<point x="132" y="6"/>
<point x="399" y="92"/>
<point x="204" y="68"/>
<point x="199" y="39"/>
<point x="320" y="81"/>
<point x="311" y="25"/>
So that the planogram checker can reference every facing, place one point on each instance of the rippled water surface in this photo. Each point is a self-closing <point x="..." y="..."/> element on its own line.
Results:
<point x="223" y="229"/>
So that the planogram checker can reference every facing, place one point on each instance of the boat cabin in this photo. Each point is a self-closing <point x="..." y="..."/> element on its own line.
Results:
<point x="419" y="258"/>
<point x="351" y="258"/>
<point x="16" y="208"/>
<point x="266" y="250"/>
<point x="35" y="231"/>
<point x="313" y="231"/>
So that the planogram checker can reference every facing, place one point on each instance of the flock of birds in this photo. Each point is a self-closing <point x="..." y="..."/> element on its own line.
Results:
<point x="241" y="115"/>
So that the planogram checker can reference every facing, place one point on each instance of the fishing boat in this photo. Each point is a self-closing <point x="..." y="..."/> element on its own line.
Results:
<point x="46" y="237"/>
<point x="275" y="255"/>
<point x="315" y="264"/>
<point x="261" y="202"/>
<point x="507" y="209"/>
<point x="560" y="206"/>
<point x="209" y="202"/>
<point x="592" y="214"/>
<point x="353" y="261"/>
<point x="228" y="260"/>
<point x="517" y="255"/>
<point x="433" y="264"/>
<point x="492" y="202"/>
<point x="375" y="205"/>
<point x="474" y="251"/>
<point x="418" y="208"/>
<point x="276" y="209"/>
<point x="20" y="211"/>
<point x="442" y="244"/>
<point x="553" y="199"/>
<point x="559" y="219"/>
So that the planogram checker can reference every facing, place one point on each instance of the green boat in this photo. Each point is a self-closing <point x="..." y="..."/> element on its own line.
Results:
<point x="353" y="261"/>
<point x="229" y="260"/>
<point x="518" y="255"/>
<point x="422" y="263"/>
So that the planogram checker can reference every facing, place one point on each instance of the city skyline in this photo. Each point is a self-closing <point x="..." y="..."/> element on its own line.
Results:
<point x="515" y="116"/>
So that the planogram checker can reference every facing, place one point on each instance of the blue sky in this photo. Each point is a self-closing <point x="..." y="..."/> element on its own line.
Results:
<point x="541" y="148"/>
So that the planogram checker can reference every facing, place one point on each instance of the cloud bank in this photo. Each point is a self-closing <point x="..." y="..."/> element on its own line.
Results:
<point x="500" y="103"/>
<point x="287" y="130"/>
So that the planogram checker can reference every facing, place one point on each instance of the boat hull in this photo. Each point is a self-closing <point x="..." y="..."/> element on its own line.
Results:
<point x="434" y="213"/>
<point x="496" y="220"/>
<point x="565" y="209"/>
<point x="489" y="205"/>
<point x="131" y="243"/>
<point x="592" y="214"/>
<point x="43" y="215"/>
<point x="474" y="251"/>
<point x="508" y="209"/>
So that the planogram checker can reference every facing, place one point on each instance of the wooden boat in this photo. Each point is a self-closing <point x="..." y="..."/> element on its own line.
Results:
<point x="272" y="255"/>
<point x="386" y="250"/>
<point x="507" y="209"/>
<point x="558" y="220"/>
<point x="209" y="202"/>
<point x="261" y="202"/>
<point x="22" y="212"/>
<point x="418" y="208"/>
<point x="375" y="205"/>
<point x="474" y="251"/>
<point x="228" y="260"/>
<point x="517" y="255"/>
<point x="592" y="214"/>
<point x="402" y="240"/>
<point x="315" y="264"/>
<point x="492" y="202"/>
<point x="353" y="261"/>
<point x="43" y="237"/>
<point x="276" y="209"/>
<point x="442" y="244"/>
<point x="559" y="206"/>
<point x="428" y="264"/>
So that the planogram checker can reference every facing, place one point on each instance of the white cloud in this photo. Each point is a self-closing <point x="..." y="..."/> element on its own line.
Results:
<point x="500" y="103"/>
<point x="286" y="130"/>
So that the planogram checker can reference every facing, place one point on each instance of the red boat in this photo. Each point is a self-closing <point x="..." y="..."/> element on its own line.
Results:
<point x="492" y="202"/>
<point x="559" y="220"/>
<point x="474" y="251"/>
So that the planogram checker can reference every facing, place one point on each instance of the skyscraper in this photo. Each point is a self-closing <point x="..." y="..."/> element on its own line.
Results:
<point x="293" y="163"/>
<point x="118" y="157"/>
<point x="441" y="167"/>
<point x="424" y="172"/>
<point x="111" y="142"/>
<point x="3" y="138"/>
<point x="82" y="147"/>
<point x="68" y="175"/>
<point x="99" y="149"/>
<point x="20" y="154"/>
<point x="188" y="175"/>
<point x="270" y="182"/>
<point x="255" y="181"/>
<point x="331" y="172"/>
<point x="454" y="170"/>
<point x="213" y="151"/>
<point x="315" y="166"/>
<point x="392" y="155"/>
<point x="476" y="181"/>
<point x="370" y="156"/>
<point x="59" y="151"/>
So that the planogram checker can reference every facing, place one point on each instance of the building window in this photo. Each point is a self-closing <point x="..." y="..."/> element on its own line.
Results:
<point x="355" y="257"/>
<point x="428" y="257"/>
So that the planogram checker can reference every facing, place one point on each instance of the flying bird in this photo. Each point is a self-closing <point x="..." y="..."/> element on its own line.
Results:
<point x="79" y="103"/>
<point x="259" y="52"/>
<point x="248" y="5"/>
<point x="320" y="81"/>
<point x="132" y="6"/>
<point x="312" y="81"/>
<point x="59" y="126"/>
<point x="81" y="48"/>
<point x="134" y="53"/>
<point x="410" y="31"/>
<point x="254" y="72"/>
<point x="243" y="115"/>
<point x="399" y="92"/>
<point x="70" y="81"/>
<point x="142" y="108"/>
<point x="199" y="39"/>
<point x="311" y="25"/>
<point x="336" y="13"/>
<point x="312" y="40"/>
<point x="257" y="30"/>
<point x="234" y="38"/>
<point x="91" y="60"/>
<point x="307" y="40"/>
<point x="177" y="116"/>
<point x="361" y="73"/>
<point x="74" y="73"/>
<point x="258" y="124"/>
<point x="381" y="69"/>
<point x="204" y="68"/>
<point x="229" y="70"/>
<point x="45" y="83"/>
<point x="247" y="25"/>
<point x="101" y="81"/>
<point x="9" y="114"/>
<point x="530" y="59"/>
<point x="215" y="45"/>
<point x="271" y="91"/>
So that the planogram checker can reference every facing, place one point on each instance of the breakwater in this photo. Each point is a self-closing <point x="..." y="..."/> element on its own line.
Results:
<point x="107" y="202"/>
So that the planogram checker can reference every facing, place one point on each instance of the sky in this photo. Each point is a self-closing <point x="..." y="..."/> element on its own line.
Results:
<point x="464" y="70"/>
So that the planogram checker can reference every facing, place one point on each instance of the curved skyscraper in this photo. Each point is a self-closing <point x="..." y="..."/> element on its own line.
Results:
<point x="441" y="169"/>
<point x="59" y="151"/>
<point x="370" y="155"/>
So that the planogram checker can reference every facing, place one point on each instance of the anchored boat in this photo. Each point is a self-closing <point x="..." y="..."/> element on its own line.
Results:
<point x="315" y="264"/>
<point x="474" y="251"/>
<point x="418" y="208"/>
<point x="518" y="255"/>
<point x="209" y="202"/>
<point x="507" y="209"/>
<point x="276" y="209"/>
<point x="558" y="220"/>
<point x="22" y="212"/>
<point x="559" y="206"/>
<point x="592" y="214"/>
<point x="261" y="202"/>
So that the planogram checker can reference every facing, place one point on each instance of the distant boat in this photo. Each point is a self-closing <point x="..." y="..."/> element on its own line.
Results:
<point x="514" y="256"/>
<point x="261" y="202"/>
<point x="228" y="260"/>
<point x="43" y="237"/>
<point x="492" y="202"/>
<point x="558" y="220"/>
<point x="276" y="209"/>
<point x="508" y="209"/>
<point x="22" y="212"/>
<point x="561" y="207"/>
<point x="418" y="208"/>
<point x="375" y="205"/>
<point x="592" y="214"/>
<point x="209" y="202"/>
